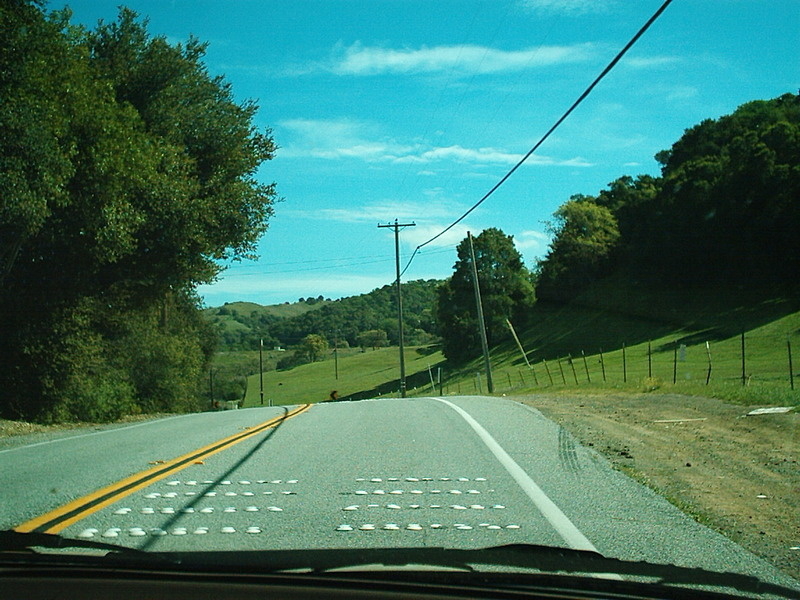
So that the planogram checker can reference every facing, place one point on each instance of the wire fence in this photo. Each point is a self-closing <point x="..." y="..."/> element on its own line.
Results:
<point x="744" y="360"/>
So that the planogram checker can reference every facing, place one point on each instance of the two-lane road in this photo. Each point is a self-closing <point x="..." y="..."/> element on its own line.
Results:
<point x="461" y="472"/>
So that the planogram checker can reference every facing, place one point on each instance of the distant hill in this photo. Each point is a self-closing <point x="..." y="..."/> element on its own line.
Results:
<point x="242" y="324"/>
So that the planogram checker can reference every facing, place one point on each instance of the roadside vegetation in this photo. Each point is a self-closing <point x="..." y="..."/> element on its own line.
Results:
<point x="127" y="177"/>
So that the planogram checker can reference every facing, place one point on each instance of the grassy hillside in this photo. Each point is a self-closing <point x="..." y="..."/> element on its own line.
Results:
<point x="654" y="341"/>
<point x="361" y="375"/>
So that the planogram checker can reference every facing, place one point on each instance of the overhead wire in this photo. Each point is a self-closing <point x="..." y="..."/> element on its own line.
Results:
<point x="549" y="132"/>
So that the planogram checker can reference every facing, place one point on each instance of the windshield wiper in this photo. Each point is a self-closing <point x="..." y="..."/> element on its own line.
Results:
<point x="16" y="541"/>
<point x="499" y="561"/>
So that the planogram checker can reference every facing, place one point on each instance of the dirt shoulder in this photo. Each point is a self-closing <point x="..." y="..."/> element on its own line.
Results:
<point x="737" y="474"/>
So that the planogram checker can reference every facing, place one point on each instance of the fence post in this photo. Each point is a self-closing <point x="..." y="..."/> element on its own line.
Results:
<point x="509" y="379"/>
<point x="708" y="352"/>
<point x="744" y="369"/>
<point x="561" y="368"/>
<point x="546" y="368"/>
<point x="572" y="364"/>
<point x="586" y="366"/>
<point x="791" y="370"/>
<point x="649" y="361"/>
<point x="624" y="365"/>
<point x="675" y="364"/>
<point x="603" y="365"/>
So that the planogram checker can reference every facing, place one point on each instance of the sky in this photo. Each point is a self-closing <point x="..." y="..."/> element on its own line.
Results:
<point x="414" y="109"/>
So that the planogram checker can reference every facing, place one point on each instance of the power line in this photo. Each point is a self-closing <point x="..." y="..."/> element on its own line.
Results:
<point x="555" y="126"/>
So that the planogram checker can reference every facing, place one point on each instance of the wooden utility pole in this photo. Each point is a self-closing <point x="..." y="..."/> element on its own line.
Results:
<point x="396" y="226"/>
<point x="481" y="324"/>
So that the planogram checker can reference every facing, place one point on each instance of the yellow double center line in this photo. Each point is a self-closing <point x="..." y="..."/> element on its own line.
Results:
<point x="64" y="516"/>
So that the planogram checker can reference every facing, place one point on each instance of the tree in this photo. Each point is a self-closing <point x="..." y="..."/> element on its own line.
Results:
<point x="507" y="292"/>
<point x="314" y="346"/>
<point x="584" y="236"/>
<point x="126" y="171"/>
<point x="374" y="338"/>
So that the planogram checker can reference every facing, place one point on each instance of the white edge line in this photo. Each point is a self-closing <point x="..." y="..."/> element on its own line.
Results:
<point x="554" y="515"/>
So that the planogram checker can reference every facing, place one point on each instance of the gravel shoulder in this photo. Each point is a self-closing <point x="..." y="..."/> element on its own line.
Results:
<point x="737" y="474"/>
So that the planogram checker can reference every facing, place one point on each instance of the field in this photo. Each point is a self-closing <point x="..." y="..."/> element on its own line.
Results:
<point x="360" y="375"/>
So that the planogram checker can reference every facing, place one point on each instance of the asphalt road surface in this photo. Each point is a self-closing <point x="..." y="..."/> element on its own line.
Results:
<point x="460" y="472"/>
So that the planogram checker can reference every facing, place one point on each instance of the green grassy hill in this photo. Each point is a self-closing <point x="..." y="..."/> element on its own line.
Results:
<point x="654" y="341"/>
<point x="360" y="375"/>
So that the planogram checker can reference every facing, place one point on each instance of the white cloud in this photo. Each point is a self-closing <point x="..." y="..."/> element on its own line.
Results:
<point x="364" y="60"/>
<point x="531" y="241"/>
<point x="572" y="7"/>
<point x="347" y="139"/>
<point x="649" y="62"/>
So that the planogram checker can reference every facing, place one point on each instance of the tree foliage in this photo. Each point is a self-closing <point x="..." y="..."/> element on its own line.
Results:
<point x="726" y="209"/>
<point x="126" y="170"/>
<point x="507" y="292"/>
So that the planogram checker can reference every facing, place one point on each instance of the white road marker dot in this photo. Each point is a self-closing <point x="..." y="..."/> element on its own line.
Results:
<point x="173" y="483"/>
<point x="179" y="531"/>
<point x="148" y="511"/>
<point x="391" y="527"/>
<point x="414" y="527"/>
<point x="251" y="509"/>
<point x="228" y="530"/>
<point x="207" y="510"/>
<point x="122" y="511"/>
<point x="274" y="509"/>
<point x="512" y="526"/>
<point x="157" y="531"/>
<point x="87" y="533"/>
<point x="253" y="530"/>
<point x="201" y="531"/>
<point x="344" y="528"/>
<point x="367" y="527"/>
<point x="136" y="532"/>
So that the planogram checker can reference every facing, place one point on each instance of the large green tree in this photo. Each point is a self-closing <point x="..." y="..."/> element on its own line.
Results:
<point x="126" y="171"/>
<point x="506" y="293"/>
<point x="584" y="237"/>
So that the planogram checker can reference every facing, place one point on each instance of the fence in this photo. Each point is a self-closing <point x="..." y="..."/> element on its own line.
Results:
<point x="747" y="359"/>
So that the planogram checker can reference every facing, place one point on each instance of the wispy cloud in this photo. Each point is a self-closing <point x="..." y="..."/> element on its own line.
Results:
<point x="572" y="7"/>
<point x="366" y="60"/>
<point x="650" y="62"/>
<point x="346" y="139"/>
<point x="531" y="241"/>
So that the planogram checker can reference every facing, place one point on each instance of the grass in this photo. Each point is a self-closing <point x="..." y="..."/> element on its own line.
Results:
<point x="581" y="345"/>
<point x="360" y="375"/>
<point x="658" y="356"/>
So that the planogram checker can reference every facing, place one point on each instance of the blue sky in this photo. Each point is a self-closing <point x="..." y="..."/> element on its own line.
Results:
<point x="414" y="109"/>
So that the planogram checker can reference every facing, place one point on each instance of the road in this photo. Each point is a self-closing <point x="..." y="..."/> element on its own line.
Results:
<point x="462" y="472"/>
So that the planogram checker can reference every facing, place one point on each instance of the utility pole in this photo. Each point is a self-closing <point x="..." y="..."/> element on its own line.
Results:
<point x="261" y="370"/>
<point x="481" y="324"/>
<point x="396" y="226"/>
